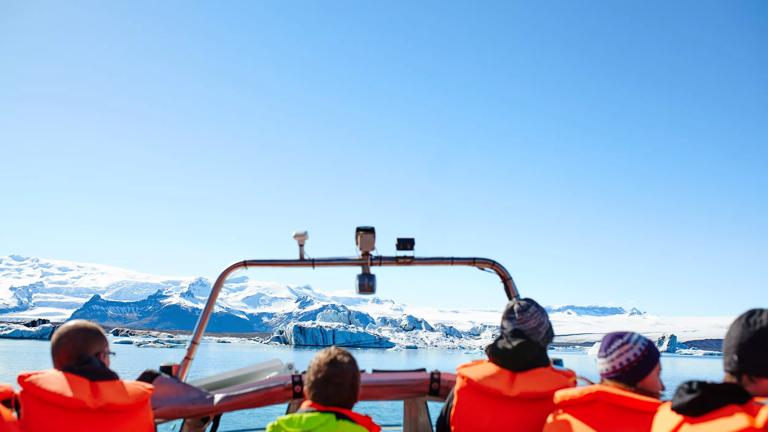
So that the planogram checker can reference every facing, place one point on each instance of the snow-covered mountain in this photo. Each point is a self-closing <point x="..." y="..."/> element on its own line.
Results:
<point x="45" y="288"/>
<point x="592" y="310"/>
<point x="57" y="290"/>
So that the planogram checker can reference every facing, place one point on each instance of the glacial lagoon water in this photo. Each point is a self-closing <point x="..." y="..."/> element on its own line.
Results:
<point x="212" y="357"/>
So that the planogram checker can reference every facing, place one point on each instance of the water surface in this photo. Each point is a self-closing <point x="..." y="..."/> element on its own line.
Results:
<point x="130" y="361"/>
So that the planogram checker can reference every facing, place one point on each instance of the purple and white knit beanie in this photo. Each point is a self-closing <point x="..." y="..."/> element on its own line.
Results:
<point x="529" y="318"/>
<point x="626" y="357"/>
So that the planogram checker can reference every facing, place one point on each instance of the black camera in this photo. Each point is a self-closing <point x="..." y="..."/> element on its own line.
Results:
<point x="366" y="283"/>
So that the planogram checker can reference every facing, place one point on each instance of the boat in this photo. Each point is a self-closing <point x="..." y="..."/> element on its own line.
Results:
<point x="202" y="403"/>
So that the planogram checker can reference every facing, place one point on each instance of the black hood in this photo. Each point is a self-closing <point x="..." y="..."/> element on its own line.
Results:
<point x="697" y="398"/>
<point x="745" y="348"/>
<point x="517" y="354"/>
<point x="92" y="369"/>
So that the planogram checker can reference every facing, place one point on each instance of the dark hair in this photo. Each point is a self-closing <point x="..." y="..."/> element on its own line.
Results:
<point x="333" y="378"/>
<point x="75" y="342"/>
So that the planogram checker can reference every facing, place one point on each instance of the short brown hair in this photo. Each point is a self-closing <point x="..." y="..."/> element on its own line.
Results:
<point x="75" y="341"/>
<point x="333" y="378"/>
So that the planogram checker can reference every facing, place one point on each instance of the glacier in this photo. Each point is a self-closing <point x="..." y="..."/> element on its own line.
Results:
<point x="300" y="315"/>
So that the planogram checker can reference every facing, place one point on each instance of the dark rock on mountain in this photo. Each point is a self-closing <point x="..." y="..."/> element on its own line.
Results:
<point x="154" y="313"/>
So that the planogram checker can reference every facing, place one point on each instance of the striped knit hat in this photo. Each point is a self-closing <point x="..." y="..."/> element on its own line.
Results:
<point x="626" y="357"/>
<point x="529" y="318"/>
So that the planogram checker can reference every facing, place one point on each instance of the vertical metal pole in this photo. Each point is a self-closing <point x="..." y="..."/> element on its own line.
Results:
<point x="205" y="316"/>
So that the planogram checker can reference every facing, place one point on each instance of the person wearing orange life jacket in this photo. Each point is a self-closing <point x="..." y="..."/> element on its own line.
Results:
<point x="512" y="390"/>
<point x="331" y="390"/>
<point x="81" y="393"/>
<point x="8" y="421"/>
<point x="626" y="398"/>
<point x="737" y="404"/>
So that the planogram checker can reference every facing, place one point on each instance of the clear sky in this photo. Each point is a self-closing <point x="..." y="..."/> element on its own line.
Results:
<point x="605" y="152"/>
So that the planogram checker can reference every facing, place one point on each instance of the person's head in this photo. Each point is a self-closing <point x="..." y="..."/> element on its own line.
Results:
<point x="77" y="341"/>
<point x="630" y="361"/>
<point x="745" y="352"/>
<point x="333" y="379"/>
<point x="525" y="318"/>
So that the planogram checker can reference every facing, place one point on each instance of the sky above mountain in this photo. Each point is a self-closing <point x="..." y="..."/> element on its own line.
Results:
<point x="605" y="153"/>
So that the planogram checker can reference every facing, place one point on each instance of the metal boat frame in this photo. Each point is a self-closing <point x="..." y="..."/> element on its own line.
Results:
<point x="414" y="388"/>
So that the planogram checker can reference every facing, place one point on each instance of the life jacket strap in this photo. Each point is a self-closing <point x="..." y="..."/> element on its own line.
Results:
<point x="12" y="403"/>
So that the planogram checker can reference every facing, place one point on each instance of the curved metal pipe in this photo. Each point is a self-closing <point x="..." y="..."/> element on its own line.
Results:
<point x="374" y="261"/>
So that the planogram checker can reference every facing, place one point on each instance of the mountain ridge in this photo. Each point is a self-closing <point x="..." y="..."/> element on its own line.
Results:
<point x="58" y="290"/>
<point x="35" y="282"/>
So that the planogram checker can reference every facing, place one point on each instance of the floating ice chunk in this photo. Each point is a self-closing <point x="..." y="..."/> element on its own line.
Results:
<point x="594" y="350"/>
<point x="18" y="331"/>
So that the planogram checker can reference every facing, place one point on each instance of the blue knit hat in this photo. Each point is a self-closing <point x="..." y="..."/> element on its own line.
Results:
<point x="529" y="318"/>
<point x="626" y="357"/>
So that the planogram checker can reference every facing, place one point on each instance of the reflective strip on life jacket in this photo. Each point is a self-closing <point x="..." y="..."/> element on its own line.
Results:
<point x="360" y="419"/>
<point x="601" y="408"/>
<point x="761" y="419"/>
<point x="489" y="397"/>
<point x="750" y="417"/>
<point x="58" y="401"/>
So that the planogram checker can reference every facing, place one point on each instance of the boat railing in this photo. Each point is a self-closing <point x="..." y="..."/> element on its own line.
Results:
<point x="415" y="389"/>
<point x="365" y="261"/>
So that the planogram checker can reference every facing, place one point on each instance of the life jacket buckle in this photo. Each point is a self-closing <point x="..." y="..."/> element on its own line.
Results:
<point x="434" y="384"/>
<point x="297" y="386"/>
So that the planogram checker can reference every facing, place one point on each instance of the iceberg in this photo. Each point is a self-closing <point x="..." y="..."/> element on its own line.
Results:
<point x="20" y="331"/>
<point x="326" y="334"/>
<point x="594" y="350"/>
<point x="410" y="323"/>
<point x="124" y="332"/>
<point x="449" y="331"/>
<point x="667" y="343"/>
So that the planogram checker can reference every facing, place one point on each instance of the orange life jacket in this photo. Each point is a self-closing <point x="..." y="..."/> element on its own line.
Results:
<point x="63" y="402"/>
<point x="600" y="407"/>
<point x="488" y="397"/>
<point x="8" y="422"/>
<point x="750" y="417"/>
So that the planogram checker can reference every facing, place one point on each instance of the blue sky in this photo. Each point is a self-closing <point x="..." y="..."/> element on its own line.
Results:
<point x="604" y="152"/>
